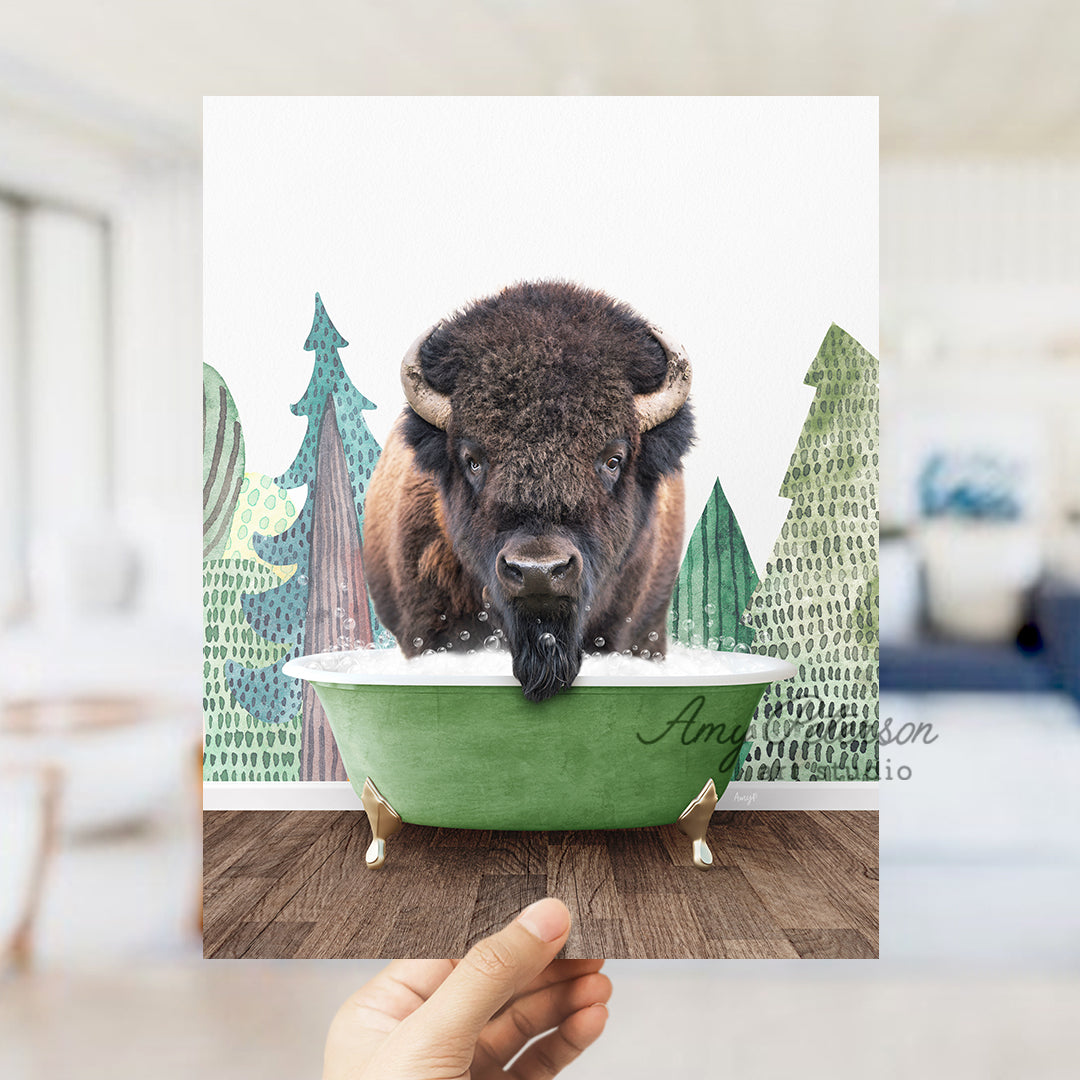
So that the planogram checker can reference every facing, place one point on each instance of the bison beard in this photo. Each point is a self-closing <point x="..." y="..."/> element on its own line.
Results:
<point x="543" y="667"/>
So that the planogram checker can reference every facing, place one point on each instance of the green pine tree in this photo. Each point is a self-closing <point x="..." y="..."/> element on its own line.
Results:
<point x="817" y="603"/>
<point x="715" y="581"/>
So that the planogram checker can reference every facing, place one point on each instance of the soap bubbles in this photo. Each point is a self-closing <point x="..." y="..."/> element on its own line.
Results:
<point x="442" y="618"/>
<point x="344" y="586"/>
<point x="653" y="635"/>
<point x="710" y="609"/>
<point x="464" y="635"/>
<point x="491" y="657"/>
<point x="599" y="642"/>
<point x="742" y="647"/>
<point x="350" y="624"/>
<point x="728" y="644"/>
<point x="302" y="579"/>
<point x="418" y="642"/>
<point x="629" y="618"/>
<point x="482" y="616"/>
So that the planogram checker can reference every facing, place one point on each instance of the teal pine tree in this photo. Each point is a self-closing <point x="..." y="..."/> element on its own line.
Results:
<point x="325" y="604"/>
<point x="328" y="379"/>
<point x="817" y="603"/>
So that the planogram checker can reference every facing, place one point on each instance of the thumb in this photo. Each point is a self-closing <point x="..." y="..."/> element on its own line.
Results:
<point x="492" y="972"/>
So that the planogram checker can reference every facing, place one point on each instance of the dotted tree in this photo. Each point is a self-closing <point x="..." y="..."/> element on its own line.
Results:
<point x="325" y="603"/>
<point x="237" y="745"/>
<point x="817" y="603"/>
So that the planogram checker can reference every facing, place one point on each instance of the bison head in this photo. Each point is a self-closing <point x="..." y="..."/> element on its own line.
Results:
<point x="549" y="415"/>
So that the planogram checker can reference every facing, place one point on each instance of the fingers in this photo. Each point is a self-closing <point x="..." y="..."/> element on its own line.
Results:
<point x="550" y="1055"/>
<point x="492" y="972"/>
<point x="540" y="1011"/>
<point x="558" y="971"/>
<point x="397" y="991"/>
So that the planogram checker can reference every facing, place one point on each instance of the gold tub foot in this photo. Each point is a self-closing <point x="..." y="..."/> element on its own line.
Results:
<point x="384" y="822"/>
<point x="694" y="822"/>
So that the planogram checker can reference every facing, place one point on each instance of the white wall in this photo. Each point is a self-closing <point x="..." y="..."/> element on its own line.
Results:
<point x="742" y="226"/>
<point x="158" y="381"/>
<point x="151" y="203"/>
<point x="13" y="582"/>
<point x="980" y="271"/>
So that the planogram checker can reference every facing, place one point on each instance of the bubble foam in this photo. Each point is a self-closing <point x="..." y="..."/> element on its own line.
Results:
<point x="493" y="665"/>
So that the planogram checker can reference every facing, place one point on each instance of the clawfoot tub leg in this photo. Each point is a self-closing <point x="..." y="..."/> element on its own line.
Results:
<point x="694" y="821"/>
<point x="384" y="822"/>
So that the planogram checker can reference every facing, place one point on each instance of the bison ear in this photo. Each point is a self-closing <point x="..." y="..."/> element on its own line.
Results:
<point x="662" y="448"/>
<point x="429" y="448"/>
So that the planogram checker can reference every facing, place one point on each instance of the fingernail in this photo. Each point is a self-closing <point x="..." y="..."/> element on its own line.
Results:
<point x="547" y="919"/>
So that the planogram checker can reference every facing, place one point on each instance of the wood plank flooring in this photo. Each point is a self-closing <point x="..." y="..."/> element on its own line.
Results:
<point x="294" y="884"/>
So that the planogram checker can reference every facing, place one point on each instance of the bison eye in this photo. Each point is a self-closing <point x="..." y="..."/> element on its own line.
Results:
<point x="609" y="462"/>
<point x="472" y="463"/>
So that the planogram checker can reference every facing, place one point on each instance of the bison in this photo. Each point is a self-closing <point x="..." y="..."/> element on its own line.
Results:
<point x="532" y="490"/>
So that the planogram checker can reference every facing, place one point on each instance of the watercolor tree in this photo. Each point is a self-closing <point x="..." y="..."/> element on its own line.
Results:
<point x="237" y="745"/>
<point x="223" y="463"/>
<point x="715" y="583"/>
<point x="817" y="603"/>
<point x="325" y="603"/>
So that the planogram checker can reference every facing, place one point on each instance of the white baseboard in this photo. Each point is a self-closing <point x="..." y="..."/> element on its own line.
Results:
<point x="741" y="795"/>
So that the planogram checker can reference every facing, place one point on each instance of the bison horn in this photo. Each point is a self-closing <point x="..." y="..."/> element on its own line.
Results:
<point x="652" y="408"/>
<point x="662" y="404"/>
<point x="425" y="400"/>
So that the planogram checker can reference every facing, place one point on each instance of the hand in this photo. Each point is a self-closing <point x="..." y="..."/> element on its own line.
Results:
<point x="465" y="1020"/>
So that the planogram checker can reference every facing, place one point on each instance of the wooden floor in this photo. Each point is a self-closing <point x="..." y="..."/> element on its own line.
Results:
<point x="785" y="884"/>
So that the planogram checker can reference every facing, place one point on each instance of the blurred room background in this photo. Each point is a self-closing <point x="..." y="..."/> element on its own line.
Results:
<point x="100" y="604"/>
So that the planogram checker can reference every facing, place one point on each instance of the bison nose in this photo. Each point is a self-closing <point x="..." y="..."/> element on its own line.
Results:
<point x="528" y="574"/>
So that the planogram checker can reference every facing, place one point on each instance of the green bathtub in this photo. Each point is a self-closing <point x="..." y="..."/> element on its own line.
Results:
<point x="469" y="752"/>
